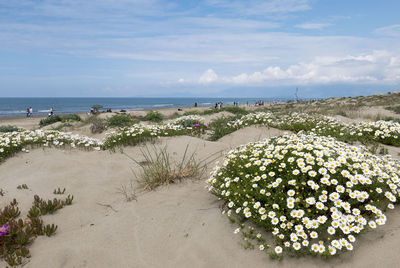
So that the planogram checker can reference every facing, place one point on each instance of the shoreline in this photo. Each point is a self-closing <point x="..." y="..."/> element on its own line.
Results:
<point x="79" y="108"/>
<point x="32" y="123"/>
<point x="164" y="110"/>
<point x="41" y="116"/>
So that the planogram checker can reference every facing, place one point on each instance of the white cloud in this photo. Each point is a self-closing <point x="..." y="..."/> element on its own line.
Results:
<point x="102" y="30"/>
<point x="208" y="76"/>
<point x="193" y="23"/>
<point x="265" y="7"/>
<point x="391" y="30"/>
<point x="155" y="42"/>
<point x="377" y="67"/>
<point x="313" y="26"/>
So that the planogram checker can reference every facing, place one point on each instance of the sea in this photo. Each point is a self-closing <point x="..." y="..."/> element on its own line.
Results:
<point x="11" y="107"/>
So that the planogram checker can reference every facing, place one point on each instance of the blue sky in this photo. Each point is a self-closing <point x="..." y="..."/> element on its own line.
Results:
<point x="198" y="48"/>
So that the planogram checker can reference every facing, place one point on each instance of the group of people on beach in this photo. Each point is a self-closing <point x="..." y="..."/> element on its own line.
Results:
<point x="218" y="105"/>
<point x="29" y="112"/>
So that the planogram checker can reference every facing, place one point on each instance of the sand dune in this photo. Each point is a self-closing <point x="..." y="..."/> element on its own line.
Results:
<point x="179" y="225"/>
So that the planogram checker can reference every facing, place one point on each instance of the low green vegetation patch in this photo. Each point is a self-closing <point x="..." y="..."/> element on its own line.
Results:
<point x="232" y="109"/>
<point x="192" y="112"/>
<point x="120" y="120"/>
<point x="22" y="187"/>
<point x="219" y="127"/>
<point x="59" y="191"/>
<point x="313" y="193"/>
<point x="153" y="116"/>
<point x="8" y="128"/>
<point x="395" y="109"/>
<point x="59" y="118"/>
<point x="17" y="234"/>
<point x="386" y="132"/>
<point x="190" y="122"/>
<point x="14" y="142"/>
<point x="186" y="125"/>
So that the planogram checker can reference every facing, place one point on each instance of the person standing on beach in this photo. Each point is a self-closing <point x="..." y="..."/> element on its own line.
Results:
<point x="51" y="111"/>
<point x="30" y="112"/>
<point x="27" y="112"/>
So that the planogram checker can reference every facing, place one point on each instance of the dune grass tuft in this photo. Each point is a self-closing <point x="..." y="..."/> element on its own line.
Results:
<point x="158" y="169"/>
<point x="128" y="191"/>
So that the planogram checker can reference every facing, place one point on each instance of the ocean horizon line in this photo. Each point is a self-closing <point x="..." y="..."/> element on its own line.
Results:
<point x="17" y="106"/>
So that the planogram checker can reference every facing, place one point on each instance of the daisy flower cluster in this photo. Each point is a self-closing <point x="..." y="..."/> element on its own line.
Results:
<point x="186" y="125"/>
<point x="13" y="142"/>
<point x="319" y="124"/>
<point x="188" y="120"/>
<point x="314" y="193"/>
<point x="294" y="122"/>
<point x="260" y="118"/>
<point x="387" y="132"/>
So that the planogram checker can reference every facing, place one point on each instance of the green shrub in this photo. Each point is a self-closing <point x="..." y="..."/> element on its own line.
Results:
<point x="153" y="116"/>
<point x="120" y="120"/>
<point x="220" y="128"/>
<point x="193" y="112"/>
<point x="395" y="109"/>
<point x="49" y="120"/>
<point x="314" y="193"/>
<point x="188" y="123"/>
<point x="8" y="128"/>
<point x="235" y="110"/>
<point x="15" y="142"/>
<point x="210" y="111"/>
<point x="139" y="133"/>
<point x="72" y="117"/>
<point x="59" y="118"/>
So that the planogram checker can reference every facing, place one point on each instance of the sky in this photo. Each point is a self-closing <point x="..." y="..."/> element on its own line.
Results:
<point x="210" y="48"/>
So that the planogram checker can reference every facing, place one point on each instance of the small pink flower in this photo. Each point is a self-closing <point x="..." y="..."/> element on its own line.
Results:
<point x="4" y="229"/>
<point x="196" y="125"/>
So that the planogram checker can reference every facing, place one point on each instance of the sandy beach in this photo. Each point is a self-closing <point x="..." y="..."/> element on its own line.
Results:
<point x="178" y="225"/>
<point x="33" y="122"/>
<point x="214" y="133"/>
<point x="175" y="226"/>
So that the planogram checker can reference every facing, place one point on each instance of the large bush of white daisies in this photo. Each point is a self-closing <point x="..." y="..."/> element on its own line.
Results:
<point x="14" y="142"/>
<point x="315" y="194"/>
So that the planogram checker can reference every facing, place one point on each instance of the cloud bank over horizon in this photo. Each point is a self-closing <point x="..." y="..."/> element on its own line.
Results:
<point x="380" y="67"/>
<point x="172" y="48"/>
